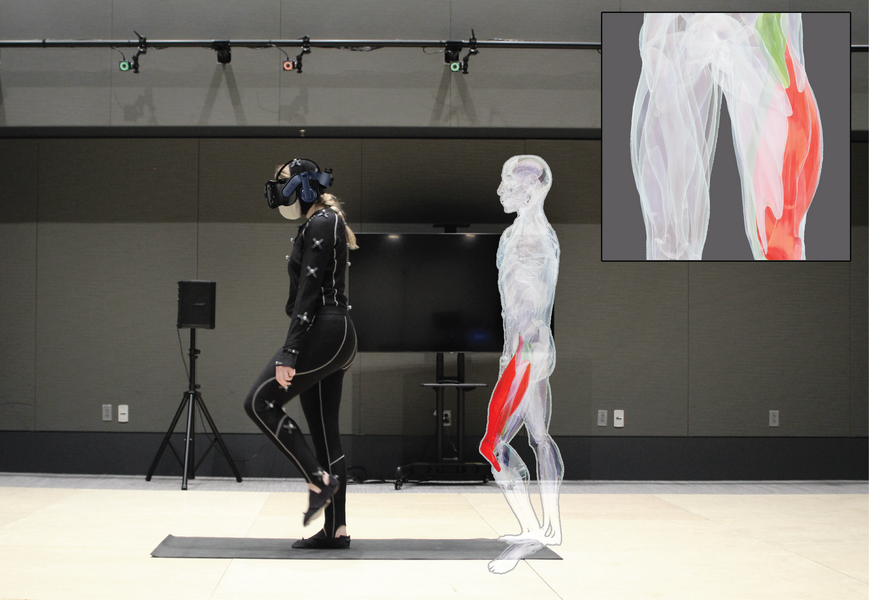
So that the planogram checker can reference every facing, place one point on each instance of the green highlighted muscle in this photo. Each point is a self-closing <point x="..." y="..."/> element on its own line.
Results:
<point x="768" y="25"/>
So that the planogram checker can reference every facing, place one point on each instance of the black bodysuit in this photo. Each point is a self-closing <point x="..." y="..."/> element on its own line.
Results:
<point x="317" y="269"/>
<point x="320" y="345"/>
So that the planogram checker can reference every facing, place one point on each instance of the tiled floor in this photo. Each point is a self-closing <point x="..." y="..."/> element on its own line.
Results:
<point x="85" y="537"/>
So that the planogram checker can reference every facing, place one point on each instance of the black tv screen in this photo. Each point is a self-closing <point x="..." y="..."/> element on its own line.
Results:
<point x="426" y="292"/>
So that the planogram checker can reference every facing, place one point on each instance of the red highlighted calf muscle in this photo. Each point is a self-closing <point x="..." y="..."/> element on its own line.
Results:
<point x="801" y="170"/>
<point x="506" y="399"/>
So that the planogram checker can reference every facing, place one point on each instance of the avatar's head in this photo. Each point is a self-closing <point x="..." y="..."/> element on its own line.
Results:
<point x="525" y="180"/>
<point x="296" y="187"/>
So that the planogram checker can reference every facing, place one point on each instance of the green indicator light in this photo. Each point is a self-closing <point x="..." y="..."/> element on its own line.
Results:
<point x="124" y="65"/>
<point x="455" y="67"/>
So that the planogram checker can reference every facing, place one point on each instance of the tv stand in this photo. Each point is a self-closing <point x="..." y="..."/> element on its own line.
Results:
<point x="446" y="469"/>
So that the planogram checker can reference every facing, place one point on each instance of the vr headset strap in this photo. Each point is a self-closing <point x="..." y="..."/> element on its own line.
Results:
<point x="324" y="179"/>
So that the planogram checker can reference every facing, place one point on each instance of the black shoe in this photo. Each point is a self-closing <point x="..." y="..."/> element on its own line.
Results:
<point x="318" y="501"/>
<point x="319" y="541"/>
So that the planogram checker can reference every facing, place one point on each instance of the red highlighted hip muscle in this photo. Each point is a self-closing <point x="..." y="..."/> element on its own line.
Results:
<point x="506" y="399"/>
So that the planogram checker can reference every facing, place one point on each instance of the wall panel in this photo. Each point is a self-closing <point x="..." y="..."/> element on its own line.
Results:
<point x="18" y="228"/>
<point x="117" y="180"/>
<point x="55" y="19"/>
<point x="18" y="181"/>
<point x="539" y="88"/>
<point x="549" y="20"/>
<point x="189" y="87"/>
<point x="769" y="337"/>
<point x="434" y="181"/>
<point x="543" y="88"/>
<point x="179" y="86"/>
<point x="859" y="14"/>
<point x="859" y="346"/>
<point x="106" y="311"/>
<point x="387" y="87"/>
<point x="621" y="331"/>
<point x="575" y="193"/>
<point x="859" y="184"/>
<point x="55" y="87"/>
<point x="36" y="93"/>
<point x="385" y="20"/>
<point x="247" y="261"/>
<point x="859" y="88"/>
<point x="393" y="401"/>
<point x="17" y="324"/>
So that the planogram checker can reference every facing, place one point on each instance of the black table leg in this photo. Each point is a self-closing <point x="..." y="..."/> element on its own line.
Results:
<point x="460" y="422"/>
<point x="440" y="422"/>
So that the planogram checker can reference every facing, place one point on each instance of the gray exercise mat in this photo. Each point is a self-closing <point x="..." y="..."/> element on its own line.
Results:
<point x="402" y="549"/>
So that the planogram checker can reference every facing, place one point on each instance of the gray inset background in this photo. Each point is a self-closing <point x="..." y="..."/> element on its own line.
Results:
<point x="828" y="65"/>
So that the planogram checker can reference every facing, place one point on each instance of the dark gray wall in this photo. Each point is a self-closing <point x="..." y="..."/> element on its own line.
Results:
<point x="95" y="234"/>
<point x="506" y="88"/>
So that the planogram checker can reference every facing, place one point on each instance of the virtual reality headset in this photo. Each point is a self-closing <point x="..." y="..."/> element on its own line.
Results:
<point x="305" y="184"/>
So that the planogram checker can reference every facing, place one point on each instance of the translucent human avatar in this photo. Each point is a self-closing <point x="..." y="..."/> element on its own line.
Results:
<point x="527" y="272"/>
<point x="756" y="60"/>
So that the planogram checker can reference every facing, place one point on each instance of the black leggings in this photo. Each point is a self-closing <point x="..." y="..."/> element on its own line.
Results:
<point x="318" y="380"/>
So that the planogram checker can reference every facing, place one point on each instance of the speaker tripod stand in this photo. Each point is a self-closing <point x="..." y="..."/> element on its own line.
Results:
<point x="192" y="399"/>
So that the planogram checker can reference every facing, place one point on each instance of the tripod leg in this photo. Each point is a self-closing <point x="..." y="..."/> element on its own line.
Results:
<point x="191" y="432"/>
<point x="166" y="439"/>
<point x="188" y="441"/>
<point x="218" y="437"/>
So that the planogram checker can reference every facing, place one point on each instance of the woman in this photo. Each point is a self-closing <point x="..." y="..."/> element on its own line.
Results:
<point x="320" y="346"/>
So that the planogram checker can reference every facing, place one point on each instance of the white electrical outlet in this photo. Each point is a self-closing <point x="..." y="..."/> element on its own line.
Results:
<point x="601" y="418"/>
<point x="618" y="418"/>
<point x="107" y="412"/>
<point x="773" y="418"/>
<point x="447" y="416"/>
<point x="123" y="413"/>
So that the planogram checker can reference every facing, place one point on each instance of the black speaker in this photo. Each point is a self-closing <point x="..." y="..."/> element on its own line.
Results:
<point x="196" y="304"/>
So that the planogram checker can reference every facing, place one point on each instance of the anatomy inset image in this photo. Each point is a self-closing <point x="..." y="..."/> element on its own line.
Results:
<point x="756" y="61"/>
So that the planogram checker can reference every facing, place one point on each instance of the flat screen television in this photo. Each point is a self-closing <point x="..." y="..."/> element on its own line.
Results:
<point x="426" y="292"/>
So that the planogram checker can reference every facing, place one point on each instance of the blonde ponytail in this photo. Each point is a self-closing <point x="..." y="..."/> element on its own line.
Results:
<point x="333" y="204"/>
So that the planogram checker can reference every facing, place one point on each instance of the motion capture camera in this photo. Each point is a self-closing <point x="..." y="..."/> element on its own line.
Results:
<point x="305" y="184"/>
